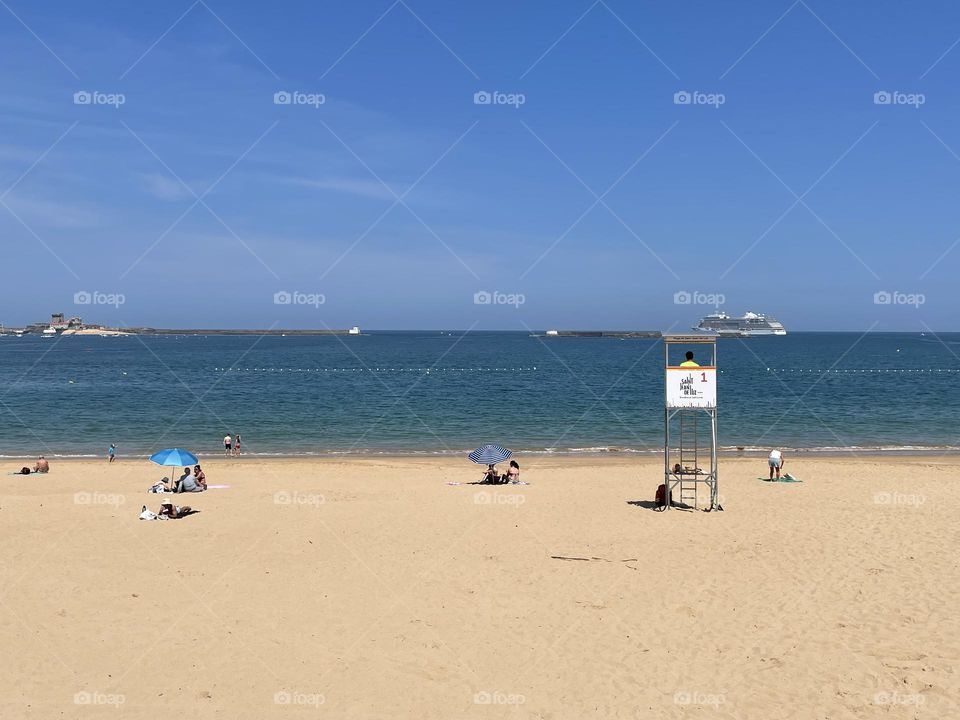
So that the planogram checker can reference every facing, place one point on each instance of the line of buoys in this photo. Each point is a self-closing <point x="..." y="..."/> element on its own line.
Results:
<point x="377" y="369"/>
<point x="867" y="370"/>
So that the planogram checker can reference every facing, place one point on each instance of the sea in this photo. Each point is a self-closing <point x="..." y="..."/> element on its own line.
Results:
<point x="446" y="392"/>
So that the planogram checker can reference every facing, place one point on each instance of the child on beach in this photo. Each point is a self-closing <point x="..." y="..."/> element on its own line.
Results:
<point x="112" y="452"/>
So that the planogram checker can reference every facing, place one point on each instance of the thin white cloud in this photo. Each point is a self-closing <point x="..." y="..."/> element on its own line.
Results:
<point x="163" y="187"/>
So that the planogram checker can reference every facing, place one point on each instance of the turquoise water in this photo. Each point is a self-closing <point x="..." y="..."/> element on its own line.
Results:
<point x="373" y="393"/>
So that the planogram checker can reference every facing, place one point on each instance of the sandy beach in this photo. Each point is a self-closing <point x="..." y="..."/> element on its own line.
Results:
<point x="371" y="588"/>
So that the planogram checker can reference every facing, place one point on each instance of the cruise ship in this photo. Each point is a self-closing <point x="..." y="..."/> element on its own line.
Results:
<point x="750" y="324"/>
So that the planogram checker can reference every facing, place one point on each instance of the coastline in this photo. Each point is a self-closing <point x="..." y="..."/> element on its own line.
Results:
<point x="640" y="455"/>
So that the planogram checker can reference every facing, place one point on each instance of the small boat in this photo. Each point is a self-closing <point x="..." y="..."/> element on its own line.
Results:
<point x="49" y="332"/>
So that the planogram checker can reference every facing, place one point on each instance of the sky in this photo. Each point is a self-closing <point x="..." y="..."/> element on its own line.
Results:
<point x="417" y="164"/>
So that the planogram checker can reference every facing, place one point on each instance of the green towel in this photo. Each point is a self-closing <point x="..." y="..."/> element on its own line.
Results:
<point x="787" y="478"/>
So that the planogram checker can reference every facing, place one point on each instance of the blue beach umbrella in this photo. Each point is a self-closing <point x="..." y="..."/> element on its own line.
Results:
<point x="489" y="455"/>
<point x="174" y="457"/>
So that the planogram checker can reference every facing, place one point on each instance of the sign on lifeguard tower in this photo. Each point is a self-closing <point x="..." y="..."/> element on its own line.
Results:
<point x="691" y="387"/>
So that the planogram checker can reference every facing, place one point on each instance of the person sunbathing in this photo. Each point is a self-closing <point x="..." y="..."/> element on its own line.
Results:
<point x="42" y="465"/>
<point x="513" y="474"/>
<point x="169" y="510"/>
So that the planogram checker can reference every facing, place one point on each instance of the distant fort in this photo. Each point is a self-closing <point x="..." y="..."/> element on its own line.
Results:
<point x="61" y="325"/>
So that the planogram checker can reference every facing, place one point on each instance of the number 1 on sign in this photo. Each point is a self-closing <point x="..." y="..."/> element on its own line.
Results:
<point x="703" y="377"/>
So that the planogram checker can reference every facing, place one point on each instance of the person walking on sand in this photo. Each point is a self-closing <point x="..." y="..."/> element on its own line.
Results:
<point x="689" y="362"/>
<point x="227" y="444"/>
<point x="112" y="452"/>
<point x="776" y="462"/>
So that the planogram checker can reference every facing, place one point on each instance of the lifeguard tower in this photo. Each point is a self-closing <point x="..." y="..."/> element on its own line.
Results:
<point x="690" y="421"/>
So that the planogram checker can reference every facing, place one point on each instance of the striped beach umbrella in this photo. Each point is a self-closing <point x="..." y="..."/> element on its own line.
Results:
<point x="489" y="455"/>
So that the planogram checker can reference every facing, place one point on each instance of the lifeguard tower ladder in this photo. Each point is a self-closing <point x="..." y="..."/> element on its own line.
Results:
<point x="690" y="420"/>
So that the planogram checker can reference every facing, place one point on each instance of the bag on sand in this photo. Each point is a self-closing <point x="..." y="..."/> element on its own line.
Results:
<point x="661" y="499"/>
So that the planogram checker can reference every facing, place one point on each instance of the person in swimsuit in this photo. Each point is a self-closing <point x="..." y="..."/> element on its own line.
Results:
<point x="513" y="474"/>
<point x="200" y="477"/>
<point x="112" y="452"/>
<point x="236" y="444"/>
<point x="168" y="509"/>
<point x="491" y="475"/>
<point x="42" y="465"/>
<point x="227" y="444"/>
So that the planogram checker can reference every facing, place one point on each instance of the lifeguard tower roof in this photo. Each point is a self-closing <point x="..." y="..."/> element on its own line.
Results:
<point x="691" y="338"/>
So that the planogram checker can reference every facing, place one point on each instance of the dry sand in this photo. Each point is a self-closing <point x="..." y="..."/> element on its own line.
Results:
<point x="370" y="588"/>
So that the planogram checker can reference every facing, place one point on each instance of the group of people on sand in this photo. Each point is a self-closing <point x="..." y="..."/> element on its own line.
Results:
<point x="42" y="466"/>
<point x="192" y="480"/>
<point x="231" y="445"/>
<point x="512" y="475"/>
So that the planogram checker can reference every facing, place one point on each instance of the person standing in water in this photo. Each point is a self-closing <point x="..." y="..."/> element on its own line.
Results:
<point x="236" y="445"/>
<point x="227" y="444"/>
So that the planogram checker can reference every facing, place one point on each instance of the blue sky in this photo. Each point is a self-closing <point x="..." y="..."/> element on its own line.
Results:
<point x="398" y="198"/>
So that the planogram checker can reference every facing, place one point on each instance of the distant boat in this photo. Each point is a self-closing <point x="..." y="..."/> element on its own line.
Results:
<point x="49" y="332"/>
<point x="353" y="331"/>
<point x="747" y="326"/>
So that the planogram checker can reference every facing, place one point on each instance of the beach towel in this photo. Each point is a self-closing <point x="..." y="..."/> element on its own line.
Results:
<point x="217" y="487"/>
<point x="787" y="478"/>
<point x="149" y="515"/>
